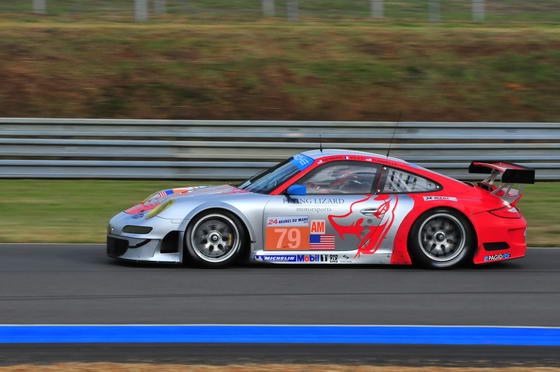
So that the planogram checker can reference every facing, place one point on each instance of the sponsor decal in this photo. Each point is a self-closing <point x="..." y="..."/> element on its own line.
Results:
<point x="437" y="198"/>
<point x="313" y="200"/>
<point x="275" y="258"/>
<point x="372" y="236"/>
<point x="315" y="210"/>
<point x="329" y="258"/>
<point x="288" y="221"/>
<point x="287" y="233"/>
<point x="344" y="258"/>
<point x="301" y="161"/>
<point x="497" y="257"/>
<point x="321" y="241"/>
<point x="318" y="226"/>
<point x="307" y="258"/>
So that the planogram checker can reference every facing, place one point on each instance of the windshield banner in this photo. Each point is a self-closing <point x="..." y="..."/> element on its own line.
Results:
<point x="301" y="161"/>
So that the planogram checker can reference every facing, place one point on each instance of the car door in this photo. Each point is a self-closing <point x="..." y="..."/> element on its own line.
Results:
<point x="339" y="216"/>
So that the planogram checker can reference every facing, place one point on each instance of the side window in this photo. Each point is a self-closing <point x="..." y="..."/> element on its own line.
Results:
<point x="397" y="180"/>
<point x="341" y="177"/>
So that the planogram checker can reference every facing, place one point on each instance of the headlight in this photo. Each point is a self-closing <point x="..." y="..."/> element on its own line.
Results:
<point x="160" y="208"/>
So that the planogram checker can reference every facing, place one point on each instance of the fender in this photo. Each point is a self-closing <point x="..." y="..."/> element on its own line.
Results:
<point x="220" y="206"/>
<point x="400" y="254"/>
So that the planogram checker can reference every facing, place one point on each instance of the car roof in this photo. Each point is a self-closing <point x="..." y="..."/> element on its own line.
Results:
<point x="318" y="154"/>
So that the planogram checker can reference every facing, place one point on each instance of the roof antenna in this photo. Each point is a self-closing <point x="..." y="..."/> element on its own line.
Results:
<point x="394" y="133"/>
<point x="321" y="142"/>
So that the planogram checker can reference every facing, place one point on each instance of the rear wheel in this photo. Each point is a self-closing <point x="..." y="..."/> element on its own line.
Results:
<point x="440" y="239"/>
<point x="214" y="239"/>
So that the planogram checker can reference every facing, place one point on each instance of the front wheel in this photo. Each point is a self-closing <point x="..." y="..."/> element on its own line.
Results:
<point x="441" y="239"/>
<point x="214" y="239"/>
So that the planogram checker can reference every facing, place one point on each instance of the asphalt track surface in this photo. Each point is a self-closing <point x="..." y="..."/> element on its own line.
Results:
<point x="78" y="284"/>
<point x="66" y="284"/>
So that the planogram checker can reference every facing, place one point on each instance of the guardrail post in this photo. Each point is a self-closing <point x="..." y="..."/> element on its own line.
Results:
<point x="293" y="10"/>
<point x="40" y="6"/>
<point x="268" y="8"/>
<point x="377" y="8"/>
<point x="160" y="7"/>
<point x="478" y="10"/>
<point x="140" y="10"/>
<point x="434" y="10"/>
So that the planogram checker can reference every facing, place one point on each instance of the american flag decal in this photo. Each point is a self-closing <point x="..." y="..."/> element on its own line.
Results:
<point x="165" y="193"/>
<point x="321" y="242"/>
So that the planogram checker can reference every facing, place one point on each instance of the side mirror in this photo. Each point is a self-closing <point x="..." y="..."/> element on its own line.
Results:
<point x="297" y="190"/>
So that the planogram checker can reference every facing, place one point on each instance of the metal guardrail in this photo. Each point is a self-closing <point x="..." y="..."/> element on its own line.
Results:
<point x="187" y="149"/>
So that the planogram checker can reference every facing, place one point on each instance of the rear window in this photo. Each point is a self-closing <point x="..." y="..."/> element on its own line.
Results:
<point x="397" y="181"/>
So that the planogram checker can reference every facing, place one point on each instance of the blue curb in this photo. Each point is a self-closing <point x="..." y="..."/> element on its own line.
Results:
<point x="452" y="335"/>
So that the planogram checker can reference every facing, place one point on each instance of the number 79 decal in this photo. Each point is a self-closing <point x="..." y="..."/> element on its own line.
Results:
<point x="287" y="233"/>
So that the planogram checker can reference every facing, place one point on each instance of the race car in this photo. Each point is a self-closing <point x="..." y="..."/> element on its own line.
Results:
<point x="332" y="207"/>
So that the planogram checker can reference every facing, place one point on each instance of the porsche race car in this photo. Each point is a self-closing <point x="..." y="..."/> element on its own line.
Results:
<point x="332" y="207"/>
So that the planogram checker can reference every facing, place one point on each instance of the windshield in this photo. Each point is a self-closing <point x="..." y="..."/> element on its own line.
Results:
<point x="267" y="180"/>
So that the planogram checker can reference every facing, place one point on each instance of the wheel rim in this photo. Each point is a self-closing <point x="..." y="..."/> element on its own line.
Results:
<point x="442" y="237"/>
<point x="215" y="238"/>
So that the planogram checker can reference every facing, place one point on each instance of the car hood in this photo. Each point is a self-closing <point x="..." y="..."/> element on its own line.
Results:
<point x="164" y="196"/>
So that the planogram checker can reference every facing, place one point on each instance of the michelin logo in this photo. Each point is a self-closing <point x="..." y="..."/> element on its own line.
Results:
<point x="275" y="258"/>
<point x="437" y="198"/>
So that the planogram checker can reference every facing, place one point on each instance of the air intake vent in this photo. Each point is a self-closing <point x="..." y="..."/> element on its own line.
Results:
<point x="498" y="246"/>
<point x="170" y="244"/>
<point x="116" y="247"/>
<point x="132" y="229"/>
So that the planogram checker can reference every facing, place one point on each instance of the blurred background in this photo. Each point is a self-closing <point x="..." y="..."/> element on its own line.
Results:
<point x="510" y="11"/>
<point x="447" y="60"/>
<point x="249" y="83"/>
<point x="333" y="60"/>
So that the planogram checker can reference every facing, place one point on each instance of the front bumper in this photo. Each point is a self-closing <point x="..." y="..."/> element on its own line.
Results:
<point x="161" y="244"/>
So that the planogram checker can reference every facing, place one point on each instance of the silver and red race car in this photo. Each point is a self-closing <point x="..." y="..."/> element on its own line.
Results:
<point x="332" y="207"/>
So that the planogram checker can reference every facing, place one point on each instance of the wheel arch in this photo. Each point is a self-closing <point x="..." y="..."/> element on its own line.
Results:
<point x="401" y="254"/>
<point x="448" y="208"/>
<point x="249" y="234"/>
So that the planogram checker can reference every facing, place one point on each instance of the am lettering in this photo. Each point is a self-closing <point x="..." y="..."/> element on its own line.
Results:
<point x="318" y="227"/>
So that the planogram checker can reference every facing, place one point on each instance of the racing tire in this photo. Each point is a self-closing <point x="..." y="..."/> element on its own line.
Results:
<point x="441" y="239"/>
<point x="214" y="239"/>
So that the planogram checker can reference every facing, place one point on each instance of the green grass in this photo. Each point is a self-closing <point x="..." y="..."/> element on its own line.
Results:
<point x="540" y="205"/>
<point x="276" y="71"/>
<point x="68" y="211"/>
<point x="78" y="211"/>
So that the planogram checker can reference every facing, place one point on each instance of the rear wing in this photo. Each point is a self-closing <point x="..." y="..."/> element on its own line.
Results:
<point x="510" y="173"/>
